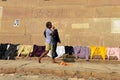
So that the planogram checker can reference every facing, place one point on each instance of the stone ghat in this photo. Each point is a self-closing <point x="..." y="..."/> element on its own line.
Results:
<point x="78" y="69"/>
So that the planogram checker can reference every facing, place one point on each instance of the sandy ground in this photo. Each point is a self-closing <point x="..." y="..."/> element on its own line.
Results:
<point x="39" y="77"/>
<point x="30" y="77"/>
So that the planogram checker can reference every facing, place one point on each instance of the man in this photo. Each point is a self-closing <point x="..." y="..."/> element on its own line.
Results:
<point x="48" y="44"/>
<point x="55" y="40"/>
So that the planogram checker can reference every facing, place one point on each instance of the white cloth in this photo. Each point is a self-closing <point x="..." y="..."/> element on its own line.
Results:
<point x="60" y="51"/>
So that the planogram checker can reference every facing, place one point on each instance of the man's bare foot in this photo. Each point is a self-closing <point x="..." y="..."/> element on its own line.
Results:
<point x="54" y="61"/>
<point x="39" y="60"/>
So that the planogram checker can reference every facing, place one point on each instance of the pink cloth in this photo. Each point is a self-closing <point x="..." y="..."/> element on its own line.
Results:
<point x="113" y="52"/>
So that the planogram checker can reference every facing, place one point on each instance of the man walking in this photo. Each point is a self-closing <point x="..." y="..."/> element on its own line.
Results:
<point x="48" y="42"/>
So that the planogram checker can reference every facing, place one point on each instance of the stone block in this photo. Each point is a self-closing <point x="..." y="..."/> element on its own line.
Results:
<point x="103" y="2"/>
<point x="100" y="75"/>
<point x="8" y="70"/>
<point x="59" y="72"/>
<point x="108" y="11"/>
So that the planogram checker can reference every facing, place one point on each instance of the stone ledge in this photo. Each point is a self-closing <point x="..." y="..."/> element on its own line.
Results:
<point x="72" y="73"/>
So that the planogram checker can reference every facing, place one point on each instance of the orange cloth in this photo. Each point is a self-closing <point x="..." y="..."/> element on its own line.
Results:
<point x="63" y="63"/>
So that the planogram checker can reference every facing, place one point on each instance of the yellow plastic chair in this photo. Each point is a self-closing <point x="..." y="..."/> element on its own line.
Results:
<point x="98" y="51"/>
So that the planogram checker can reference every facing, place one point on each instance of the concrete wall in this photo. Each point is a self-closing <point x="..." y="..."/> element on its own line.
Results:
<point x="80" y="22"/>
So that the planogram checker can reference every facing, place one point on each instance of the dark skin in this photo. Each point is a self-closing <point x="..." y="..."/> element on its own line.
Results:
<point x="46" y="52"/>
